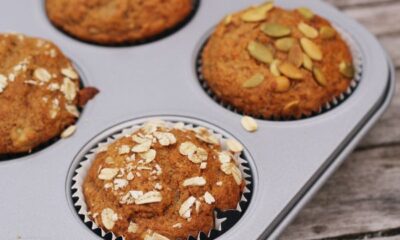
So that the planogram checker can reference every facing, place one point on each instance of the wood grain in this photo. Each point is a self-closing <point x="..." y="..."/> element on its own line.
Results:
<point x="380" y="19"/>
<point x="387" y="238"/>
<point x="357" y="3"/>
<point x="362" y="196"/>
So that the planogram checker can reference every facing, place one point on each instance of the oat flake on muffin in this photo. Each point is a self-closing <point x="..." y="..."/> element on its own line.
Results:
<point x="39" y="93"/>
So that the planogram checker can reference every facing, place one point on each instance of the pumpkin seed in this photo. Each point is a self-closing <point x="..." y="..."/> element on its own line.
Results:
<point x="249" y="124"/>
<point x="275" y="30"/>
<point x="260" y="52"/>
<point x="290" y="71"/>
<point x="274" y="69"/>
<point x="271" y="48"/>
<point x="291" y="106"/>
<point x="319" y="76"/>
<point x="281" y="84"/>
<point x="306" y="13"/>
<point x="311" y="49"/>
<point x="308" y="30"/>
<point x="327" y="32"/>
<point x="307" y="62"/>
<point x="228" y="19"/>
<point x="346" y="69"/>
<point x="258" y="13"/>
<point x="285" y="44"/>
<point x="254" y="81"/>
<point x="296" y="56"/>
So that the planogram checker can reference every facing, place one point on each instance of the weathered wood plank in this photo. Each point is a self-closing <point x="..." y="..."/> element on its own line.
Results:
<point x="357" y="3"/>
<point x="388" y="238"/>
<point x="380" y="19"/>
<point x="363" y="196"/>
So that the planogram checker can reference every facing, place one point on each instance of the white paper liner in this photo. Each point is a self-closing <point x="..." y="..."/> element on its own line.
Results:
<point x="358" y="70"/>
<point x="85" y="164"/>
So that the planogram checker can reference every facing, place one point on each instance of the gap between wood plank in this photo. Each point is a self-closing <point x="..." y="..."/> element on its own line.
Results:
<point x="386" y="34"/>
<point x="382" y="145"/>
<point x="360" y="198"/>
<point x="367" y="235"/>
<point x="361" y="4"/>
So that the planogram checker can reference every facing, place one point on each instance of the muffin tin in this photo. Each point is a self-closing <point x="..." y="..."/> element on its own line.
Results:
<point x="289" y="160"/>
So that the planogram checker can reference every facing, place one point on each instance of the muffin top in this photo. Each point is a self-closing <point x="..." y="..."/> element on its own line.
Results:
<point x="112" y="22"/>
<point x="274" y="63"/>
<point x="39" y="93"/>
<point x="163" y="181"/>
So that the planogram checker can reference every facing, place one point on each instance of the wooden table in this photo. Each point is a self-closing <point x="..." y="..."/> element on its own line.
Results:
<point x="362" y="199"/>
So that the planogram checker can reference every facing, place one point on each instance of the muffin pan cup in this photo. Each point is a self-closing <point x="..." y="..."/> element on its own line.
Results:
<point x="290" y="159"/>
<point x="224" y="220"/>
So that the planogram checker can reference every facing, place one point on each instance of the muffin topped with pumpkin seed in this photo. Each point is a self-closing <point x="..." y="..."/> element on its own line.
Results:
<point x="269" y="62"/>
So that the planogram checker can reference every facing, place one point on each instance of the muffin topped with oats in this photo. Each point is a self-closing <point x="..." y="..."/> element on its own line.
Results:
<point x="273" y="63"/>
<point x="39" y="93"/>
<point x="163" y="181"/>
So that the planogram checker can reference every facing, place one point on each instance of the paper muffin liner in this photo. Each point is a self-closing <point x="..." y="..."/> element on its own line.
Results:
<point x="223" y="220"/>
<point x="334" y="102"/>
<point x="159" y="36"/>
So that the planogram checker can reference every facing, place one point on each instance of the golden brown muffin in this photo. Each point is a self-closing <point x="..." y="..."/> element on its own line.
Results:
<point x="39" y="93"/>
<point x="112" y="22"/>
<point x="162" y="181"/>
<point x="274" y="63"/>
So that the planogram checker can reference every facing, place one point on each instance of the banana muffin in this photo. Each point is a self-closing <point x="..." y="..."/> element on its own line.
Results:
<point x="113" y="22"/>
<point x="274" y="63"/>
<point x="39" y="93"/>
<point x="163" y="182"/>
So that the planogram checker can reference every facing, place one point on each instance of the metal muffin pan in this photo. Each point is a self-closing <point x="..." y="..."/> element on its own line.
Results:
<point x="290" y="160"/>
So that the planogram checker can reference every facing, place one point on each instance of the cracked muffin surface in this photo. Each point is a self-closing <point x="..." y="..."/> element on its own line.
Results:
<point x="162" y="181"/>
<point x="113" y="22"/>
<point x="269" y="62"/>
<point x="40" y="93"/>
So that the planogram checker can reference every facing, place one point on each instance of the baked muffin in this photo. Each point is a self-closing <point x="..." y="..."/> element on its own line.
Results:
<point x="163" y="182"/>
<point x="114" y="22"/>
<point x="274" y="63"/>
<point x="39" y="93"/>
